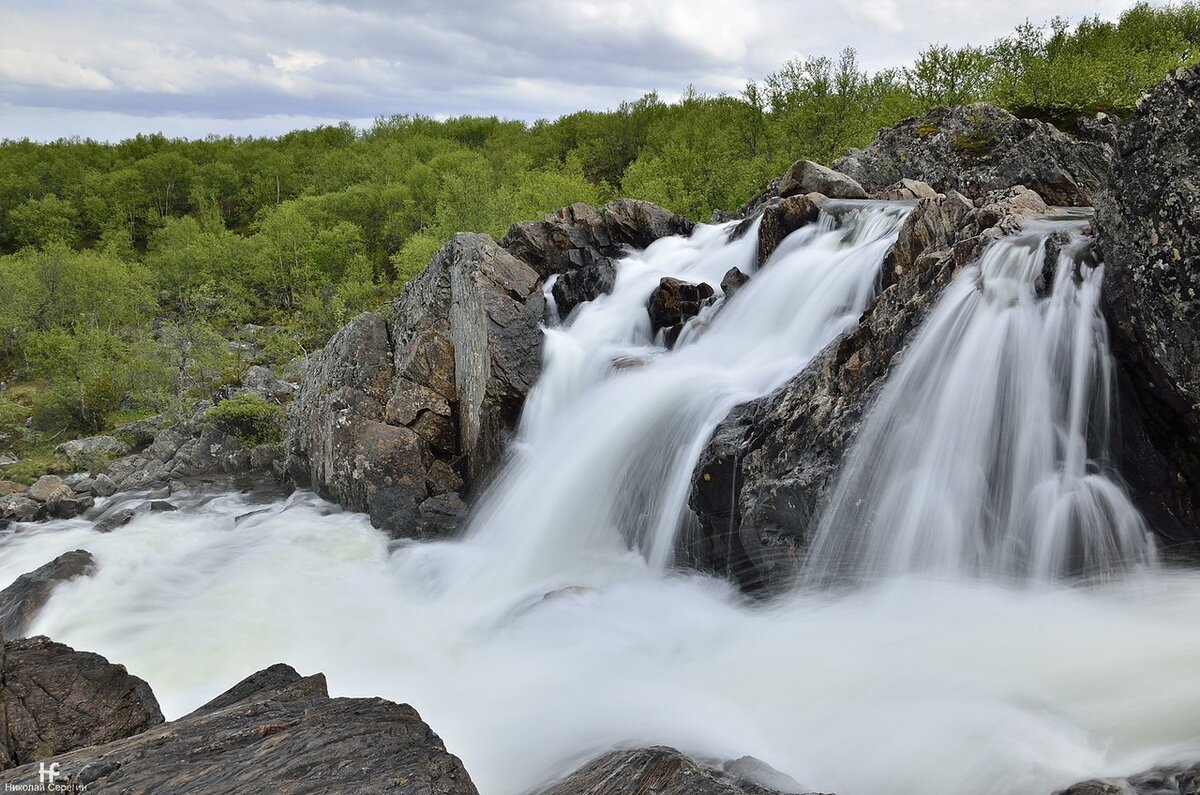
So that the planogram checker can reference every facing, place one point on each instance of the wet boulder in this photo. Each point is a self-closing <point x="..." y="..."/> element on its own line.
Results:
<point x="733" y="280"/>
<point x="976" y="149"/>
<point x="1148" y="219"/>
<point x="674" y="302"/>
<point x="21" y="601"/>
<point x="583" y="284"/>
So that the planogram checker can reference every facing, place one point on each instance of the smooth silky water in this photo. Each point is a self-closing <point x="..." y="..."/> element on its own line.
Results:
<point x="962" y="660"/>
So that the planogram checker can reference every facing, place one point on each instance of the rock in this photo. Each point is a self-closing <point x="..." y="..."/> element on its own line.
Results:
<point x="907" y="190"/>
<point x="92" y="451"/>
<point x="21" y="601"/>
<point x="981" y="148"/>
<point x="1174" y="780"/>
<point x="583" y="284"/>
<point x="659" y="770"/>
<point x="7" y="459"/>
<point x="114" y="519"/>
<point x="674" y="302"/>
<point x="7" y="487"/>
<point x="140" y="433"/>
<point x="166" y="444"/>
<point x="49" y="488"/>
<point x="273" y="732"/>
<point x="443" y="381"/>
<point x="781" y="218"/>
<point x="260" y="381"/>
<point x="749" y="771"/>
<point x="579" y="235"/>
<point x="57" y="699"/>
<point x="770" y="464"/>
<point x="20" y="508"/>
<point x="732" y="281"/>
<point x="69" y="507"/>
<point x="103" y="486"/>
<point x="806" y="176"/>
<point x="1149" y="231"/>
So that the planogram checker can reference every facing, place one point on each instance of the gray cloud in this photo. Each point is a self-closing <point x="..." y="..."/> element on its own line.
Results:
<point x="108" y="70"/>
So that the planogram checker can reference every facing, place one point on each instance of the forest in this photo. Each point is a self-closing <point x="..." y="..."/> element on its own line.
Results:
<point x="140" y="276"/>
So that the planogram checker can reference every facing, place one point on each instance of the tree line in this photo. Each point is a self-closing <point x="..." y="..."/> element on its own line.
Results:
<point x="138" y="276"/>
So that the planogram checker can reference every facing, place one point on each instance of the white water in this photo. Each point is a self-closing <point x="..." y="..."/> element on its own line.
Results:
<point x="906" y="686"/>
<point x="986" y="452"/>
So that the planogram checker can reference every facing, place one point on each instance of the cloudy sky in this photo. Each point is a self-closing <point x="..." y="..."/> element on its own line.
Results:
<point x="111" y="68"/>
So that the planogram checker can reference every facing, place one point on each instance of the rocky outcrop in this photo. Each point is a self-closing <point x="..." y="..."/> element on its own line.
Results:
<point x="661" y="770"/>
<point x="274" y="732"/>
<point x="399" y="411"/>
<point x="806" y="176"/>
<point x="673" y="303"/>
<point x="55" y="699"/>
<point x="770" y="464"/>
<point x="1149" y="230"/>
<point x="48" y="498"/>
<point x="1179" y="780"/>
<point x="580" y="235"/>
<point x="91" y="451"/>
<point x="976" y="149"/>
<point x="20" y="602"/>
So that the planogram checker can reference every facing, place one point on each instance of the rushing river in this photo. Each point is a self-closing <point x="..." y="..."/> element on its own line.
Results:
<point x="555" y="627"/>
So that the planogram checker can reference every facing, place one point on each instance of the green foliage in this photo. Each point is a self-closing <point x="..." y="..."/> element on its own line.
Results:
<point x="251" y="419"/>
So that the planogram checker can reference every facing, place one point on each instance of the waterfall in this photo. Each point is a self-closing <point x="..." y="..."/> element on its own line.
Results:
<point x="986" y="451"/>
<point x="614" y="427"/>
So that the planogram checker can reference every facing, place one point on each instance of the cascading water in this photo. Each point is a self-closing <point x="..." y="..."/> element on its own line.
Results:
<point x="986" y="451"/>
<point x="910" y="685"/>
<point x="616" y="423"/>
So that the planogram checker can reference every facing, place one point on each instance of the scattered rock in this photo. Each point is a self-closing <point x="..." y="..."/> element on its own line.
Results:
<point x="273" y="732"/>
<point x="673" y="303"/>
<point x="806" y="176"/>
<point x="114" y="519"/>
<point x="7" y="487"/>
<point x="981" y="148"/>
<point x="260" y="381"/>
<point x="48" y="488"/>
<point x="1149" y="230"/>
<point x="20" y="508"/>
<point x="92" y="451"/>
<point x="659" y="770"/>
<point x="20" y="602"/>
<point x="57" y="699"/>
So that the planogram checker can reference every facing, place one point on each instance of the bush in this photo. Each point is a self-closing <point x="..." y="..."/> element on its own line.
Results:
<point x="251" y="419"/>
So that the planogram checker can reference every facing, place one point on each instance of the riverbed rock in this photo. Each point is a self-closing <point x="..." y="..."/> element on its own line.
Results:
<point x="56" y="699"/>
<point x="49" y="487"/>
<point x="273" y="732"/>
<point x="976" y="149"/>
<point x="768" y="467"/>
<point x="581" y="235"/>
<point x="733" y="280"/>
<point x="20" y="602"/>
<point x="583" y="284"/>
<point x="1149" y="229"/>
<point x="437" y="386"/>
<point x="674" y="302"/>
<point x="92" y="451"/>
<point x="806" y="176"/>
<point x="1171" y="780"/>
<point x="659" y="770"/>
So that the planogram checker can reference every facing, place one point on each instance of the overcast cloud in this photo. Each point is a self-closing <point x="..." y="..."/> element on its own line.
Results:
<point x="109" y="69"/>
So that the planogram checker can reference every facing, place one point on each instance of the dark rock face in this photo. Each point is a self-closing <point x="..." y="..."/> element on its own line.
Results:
<point x="56" y="699"/>
<point x="274" y="732"/>
<point x="579" y="236"/>
<point x="781" y="217"/>
<point x="674" y="302"/>
<point x="21" y="601"/>
<point x="1149" y="229"/>
<point x="660" y="770"/>
<point x="48" y="498"/>
<point x="397" y="411"/>
<point x="976" y="149"/>
<point x="759" y="483"/>
<point x="1163" y="781"/>
<point x="806" y="176"/>
<point x="583" y="284"/>
<point x="732" y="281"/>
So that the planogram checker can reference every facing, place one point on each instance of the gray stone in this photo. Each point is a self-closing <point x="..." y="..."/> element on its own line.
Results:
<point x="806" y="176"/>
<point x="659" y="770"/>
<point x="977" y="149"/>
<point x="49" y="488"/>
<point x="103" y="486"/>
<point x="1149" y="229"/>
<point x="56" y="700"/>
<point x="20" y="602"/>
<point x="92" y="451"/>
<point x="273" y="732"/>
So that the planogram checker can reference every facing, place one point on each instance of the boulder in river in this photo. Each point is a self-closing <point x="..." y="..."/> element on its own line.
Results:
<point x="20" y="602"/>
<point x="674" y="302"/>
